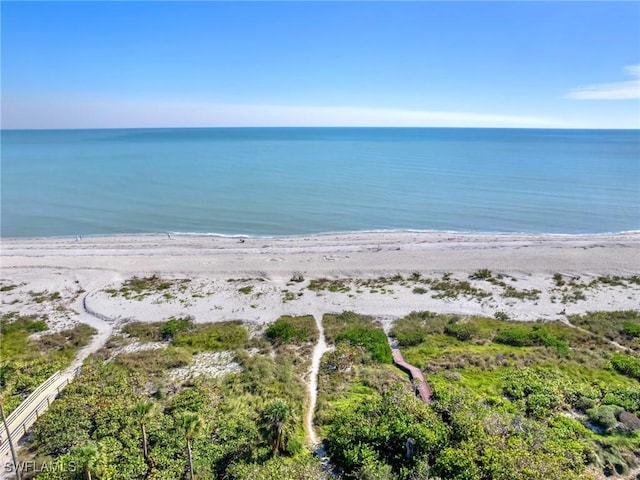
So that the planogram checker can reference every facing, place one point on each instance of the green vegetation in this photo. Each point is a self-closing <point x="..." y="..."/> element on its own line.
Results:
<point x="153" y="364"/>
<point x="288" y="296"/>
<point x="613" y="326"/>
<point x="604" y="416"/>
<point x="194" y="337"/>
<point x="26" y="362"/>
<point x="531" y="335"/>
<point x="137" y="288"/>
<point x="509" y="291"/>
<point x="631" y="329"/>
<point x="144" y="332"/>
<point x="358" y="330"/>
<point x="531" y="294"/>
<point x="45" y="296"/>
<point x="572" y="290"/>
<point x="174" y="326"/>
<point x="451" y="288"/>
<point x="482" y="274"/>
<point x="369" y="437"/>
<point x="8" y="287"/>
<point x="352" y="377"/>
<point x="626" y="364"/>
<point x="288" y="329"/>
<point x="127" y="419"/>
<point x="569" y="386"/>
<point x="212" y="337"/>
<point x="246" y="290"/>
<point x="540" y="400"/>
<point x="329" y="285"/>
<point x="558" y="279"/>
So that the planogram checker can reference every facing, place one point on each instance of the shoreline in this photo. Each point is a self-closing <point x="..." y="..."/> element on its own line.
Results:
<point x="357" y="254"/>
<point x="460" y="233"/>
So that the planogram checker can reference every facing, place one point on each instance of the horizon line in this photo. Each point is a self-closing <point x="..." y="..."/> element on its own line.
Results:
<point x="333" y="127"/>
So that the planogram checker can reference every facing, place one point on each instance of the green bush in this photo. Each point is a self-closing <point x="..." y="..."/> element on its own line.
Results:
<point x="482" y="274"/>
<point x="12" y="323"/>
<point x="173" y="326"/>
<point x="631" y="329"/>
<point x="212" y="337"/>
<point x="154" y="362"/>
<point x="539" y="391"/>
<point x="463" y="331"/>
<point x="610" y="325"/>
<point x="626" y="365"/>
<point x="370" y="434"/>
<point x="604" y="416"/>
<point x="26" y="362"/>
<point x="530" y="336"/>
<point x="145" y="332"/>
<point x="292" y="329"/>
<point x="374" y="341"/>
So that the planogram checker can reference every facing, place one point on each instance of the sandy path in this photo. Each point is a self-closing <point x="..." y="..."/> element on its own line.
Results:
<point x="318" y="351"/>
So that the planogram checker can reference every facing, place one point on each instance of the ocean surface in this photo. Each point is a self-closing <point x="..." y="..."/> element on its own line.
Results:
<point x="291" y="181"/>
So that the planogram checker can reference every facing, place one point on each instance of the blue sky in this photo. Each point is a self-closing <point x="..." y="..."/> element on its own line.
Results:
<point x="153" y="64"/>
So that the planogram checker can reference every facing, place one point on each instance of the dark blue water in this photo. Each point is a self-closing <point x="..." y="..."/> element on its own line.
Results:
<point x="287" y="181"/>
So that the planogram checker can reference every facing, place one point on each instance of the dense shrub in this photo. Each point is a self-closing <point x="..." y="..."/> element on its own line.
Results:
<point x="604" y="416"/>
<point x="631" y="329"/>
<point x="145" y="332"/>
<point x="626" y="364"/>
<point x="12" y="323"/>
<point x="292" y="329"/>
<point x="374" y="341"/>
<point x="212" y="337"/>
<point x="462" y="330"/>
<point x="529" y="336"/>
<point x="371" y="435"/>
<point x="539" y="392"/>
<point x="25" y="362"/>
<point x="414" y="328"/>
<point x="173" y="326"/>
<point x="154" y="362"/>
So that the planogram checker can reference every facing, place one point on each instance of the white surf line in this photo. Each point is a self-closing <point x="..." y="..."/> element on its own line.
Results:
<point x="318" y="351"/>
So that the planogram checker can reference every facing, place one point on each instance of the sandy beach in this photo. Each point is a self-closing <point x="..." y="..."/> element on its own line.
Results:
<point x="215" y="278"/>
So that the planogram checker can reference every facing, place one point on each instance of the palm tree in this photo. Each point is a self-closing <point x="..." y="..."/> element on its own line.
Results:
<point x="190" y="423"/>
<point x="89" y="456"/>
<point x="142" y="412"/>
<point x="277" y="420"/>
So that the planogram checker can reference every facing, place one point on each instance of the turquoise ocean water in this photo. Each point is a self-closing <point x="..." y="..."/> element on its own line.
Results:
<point x="290" y="181"/>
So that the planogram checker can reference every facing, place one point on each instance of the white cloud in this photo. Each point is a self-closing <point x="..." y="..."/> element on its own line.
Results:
<point x="629" y="90"/>
<point x="84" y="112"/>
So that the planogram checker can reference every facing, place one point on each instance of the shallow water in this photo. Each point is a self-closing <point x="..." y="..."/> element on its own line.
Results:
<point x="288" y="181"/>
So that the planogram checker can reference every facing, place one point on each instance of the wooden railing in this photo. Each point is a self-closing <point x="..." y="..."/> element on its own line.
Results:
<point x="23" y="417"/>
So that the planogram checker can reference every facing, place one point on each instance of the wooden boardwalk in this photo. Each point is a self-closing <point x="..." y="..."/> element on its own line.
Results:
<point x="36" y="404"/>
<point x="423" y="390"/>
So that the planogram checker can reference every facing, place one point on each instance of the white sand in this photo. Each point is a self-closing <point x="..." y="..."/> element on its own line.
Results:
<point x="93" y="264"/>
